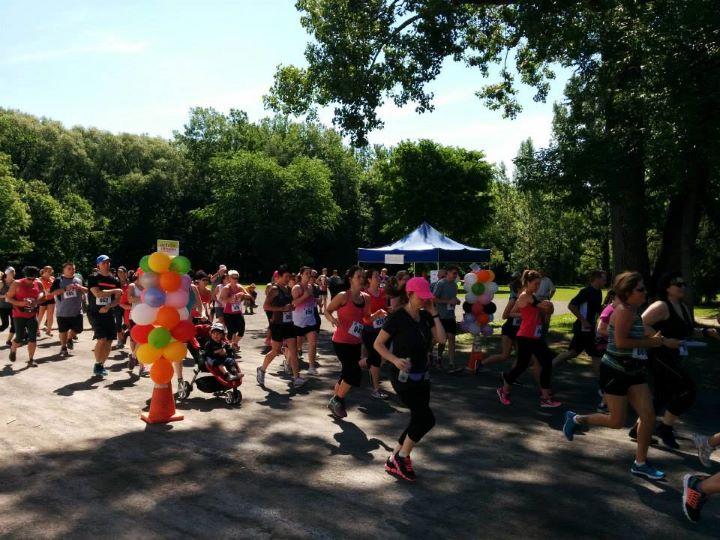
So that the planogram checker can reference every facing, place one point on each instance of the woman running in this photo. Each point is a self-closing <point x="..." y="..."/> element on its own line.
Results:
<point x="322" y="282"/>
<point x="233" y="296"/>
<point x="673" y="388"/>
<point x="6" y="318"/>
<point x="47" y="307"/>
<point x="305" y="318"/>
<point x="508" y="331"/>
<point x="202" y="311"/>
<point x="350" y="306"/>
<point x="25" y="295"/>
<point x="622" y="372"/>
<point x="375" y="317"/>
<point x="531" y="341"/>
<point x="412" y="330"/>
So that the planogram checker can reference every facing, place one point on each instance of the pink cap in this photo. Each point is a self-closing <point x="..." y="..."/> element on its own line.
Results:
<point x="420" y="287"/>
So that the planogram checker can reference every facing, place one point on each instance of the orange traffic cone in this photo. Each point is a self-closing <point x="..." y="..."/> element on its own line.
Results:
<point x="162" y="406"/>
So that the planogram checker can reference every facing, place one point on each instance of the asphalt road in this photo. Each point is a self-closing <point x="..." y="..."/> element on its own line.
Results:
<point x="77" y="462"/>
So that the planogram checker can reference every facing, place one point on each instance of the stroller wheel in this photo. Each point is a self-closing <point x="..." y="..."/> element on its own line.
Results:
<point x="184" y="390"/>
<point x="237" y="396"/>
<point x="229" y="397"/>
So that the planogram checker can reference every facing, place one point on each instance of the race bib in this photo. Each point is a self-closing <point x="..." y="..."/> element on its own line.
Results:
<point x="70" y="294"/>
<point x="517" y="322"/>
<point x="103" y="301"/>
<point x="539" y="331"/>
<point x="683" y="350"/>
<point x="235" y="308"/>
<point x="379" y="322"/>
<point x="287" y="317"/>
<point x="309" y="312"/>
<point x="29" y="309"/>
<point x="640" y="353"/>
<point x="356" y="329"/>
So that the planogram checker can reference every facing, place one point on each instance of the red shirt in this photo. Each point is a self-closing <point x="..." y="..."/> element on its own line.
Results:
<point x="26" y="288"/>
<point x="350" y="318"/>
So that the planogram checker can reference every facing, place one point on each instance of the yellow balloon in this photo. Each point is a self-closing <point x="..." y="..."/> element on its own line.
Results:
<point x="159" y="262"/>
<point x="147" y="354"/>
<point x="175" y="351"/>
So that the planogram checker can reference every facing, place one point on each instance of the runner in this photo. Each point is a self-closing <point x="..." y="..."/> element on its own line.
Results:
<point x="25" y="295"/>
<point x="586" y="306"/>
<point x="278" y="302"/>
<point x="323" y="284"/>
<point x="104" y="295"/>
<point x="305" y="316"/>
<point x="118" y="311"/>
<point x="602" y="332"/>
<point x="6" y="318"/>
<point x="68" y="289"/>
<point x="383" y="278"/>
<point x="232" y="296"/>
<point x="351" y="306"/>
<point x="395" y="290"/>
<point x="673" y="388"/>
<point x="269" y="315"/>
<point x="508" y="330"/>
<point x="534" y="314"/>
<point x="47" y="307"/>
<point x="446" y="299"/>
<point x="705" y="447"/>
<point x="335" y="284"/>
<point x="622" y="372"/>
<point x="128" y="300"/>
<point x="203" y="312"/>
<point x="217" y="294"/>
<point x="411" y="330"/>
<point x="696" y="490"/>
<point x="375" y="317"/>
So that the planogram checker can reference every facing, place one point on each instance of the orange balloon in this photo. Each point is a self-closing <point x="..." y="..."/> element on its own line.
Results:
<point x="175" y="351"/>
<point x="484" y="276"/>
<point x="167" y="317"/>
<point x="170" y="281"/>
<point x="161" y="371"/>
<point x="483" y="319"/>
<point x="491" y="275"/>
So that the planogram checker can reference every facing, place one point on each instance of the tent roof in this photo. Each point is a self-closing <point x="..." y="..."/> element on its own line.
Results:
<point x="424" y="244"/>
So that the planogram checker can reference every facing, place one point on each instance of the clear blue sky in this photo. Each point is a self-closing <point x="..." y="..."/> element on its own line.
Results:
<point x="138" y="65"/>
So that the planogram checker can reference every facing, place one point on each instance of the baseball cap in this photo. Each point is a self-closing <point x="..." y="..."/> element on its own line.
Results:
<point x="102" y="259"/>
<point x="420" y="287"/>
<point x="217" y="327"/>
<point x="121" y="269"/>
<point x="9" y="269"/>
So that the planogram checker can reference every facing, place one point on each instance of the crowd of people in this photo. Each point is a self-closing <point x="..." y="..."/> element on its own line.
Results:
<point x="411" y="325"/>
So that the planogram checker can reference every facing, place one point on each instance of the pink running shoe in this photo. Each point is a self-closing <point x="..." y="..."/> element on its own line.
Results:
<point x="503" y="396"/>
<point x="549" y="403"/>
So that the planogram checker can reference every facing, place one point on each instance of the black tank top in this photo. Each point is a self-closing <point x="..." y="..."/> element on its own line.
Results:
<point x="283" y="298"/>
<point x="676" y="326"/>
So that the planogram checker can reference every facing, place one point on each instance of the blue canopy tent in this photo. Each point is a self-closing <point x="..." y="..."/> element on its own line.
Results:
<point x="424" y="245"/>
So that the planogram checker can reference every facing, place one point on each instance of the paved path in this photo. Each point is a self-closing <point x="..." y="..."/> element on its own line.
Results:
<point x="76" y="461"/>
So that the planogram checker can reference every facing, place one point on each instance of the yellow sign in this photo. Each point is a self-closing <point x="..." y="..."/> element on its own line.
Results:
<point x="171" y="247"/>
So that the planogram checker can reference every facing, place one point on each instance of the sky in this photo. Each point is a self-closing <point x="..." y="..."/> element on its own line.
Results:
<point x="138" y="66"/>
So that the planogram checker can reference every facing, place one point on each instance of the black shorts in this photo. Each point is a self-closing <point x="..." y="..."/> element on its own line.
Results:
<point x="302" y="331"/>
<point x="219" y="312"/>
<point x="119" y="314"/>
<point x="349" y="356"/>
<point x="282" y="331"/>
<point x="585" y="341"/>
<point x="368" y="337"/>
<point x="235" y="324"/>
<point x="66" y="324"/>
<point x="450" y="326"/>
<point x="509" y="329"/>
<point x="103" y="325"/>
<point x="26" y="329"/>
<point x="616" y="383"/>
<point x="49" y="302"/>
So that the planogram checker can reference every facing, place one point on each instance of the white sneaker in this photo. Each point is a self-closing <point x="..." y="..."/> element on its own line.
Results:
<point x="299" y="382"/>
<point x="286" y="366"/>
<point x="260" y="376"/>
<point x="704" y="449"/>
<point x="312" y="370"/>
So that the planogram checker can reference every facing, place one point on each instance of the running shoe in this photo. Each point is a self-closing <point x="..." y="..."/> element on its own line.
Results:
<point x="260" y="376"/>
<point x="570" y="426"/>
<point x="337" y="407"/>
<point x="693" y="499"/>
<point x="390" y="467"/>
<point x="704" y="449"/>
<point x="144" y="372"/>
<point x="549" y="403"/>
<point x="70" y="344"/>
<point x="12" y="356"/>
<point x="121" y="345"/>
<point x="503" y="396"/>
<point x="31" y="363"/>
<point x="64" y="351"/>
<point x="380" y="394"/>
<point x="403" y="468"/>
<point x="647" y="471"/>
<point x="99" y="370"/>
<point x="667" y="434"/>
<point x="132" y="362"/>
<point x="312" y="370"/>
<point x="299" y="382"/>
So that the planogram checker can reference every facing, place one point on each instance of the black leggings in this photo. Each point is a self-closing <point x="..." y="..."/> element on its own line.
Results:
<point x="416" y="396"/>
<point x="527" y="347"/>
<point x="349" y="356"/>
<point x="6" y="320"/>
<point x="673" y="389"/>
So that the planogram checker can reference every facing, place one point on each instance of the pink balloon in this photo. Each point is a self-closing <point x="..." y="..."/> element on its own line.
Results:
<point x="177" y="299"/>
<point x="485" y="298"/>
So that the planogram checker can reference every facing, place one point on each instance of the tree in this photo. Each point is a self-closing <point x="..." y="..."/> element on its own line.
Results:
<point x="14" y="215"/>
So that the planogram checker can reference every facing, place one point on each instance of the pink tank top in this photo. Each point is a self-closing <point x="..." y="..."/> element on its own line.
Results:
<point x="532" y="324"/>
<point x="350" y="318"/>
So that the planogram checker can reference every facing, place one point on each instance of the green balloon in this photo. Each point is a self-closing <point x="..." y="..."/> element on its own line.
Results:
<point x="144" y="264"/>
<point x="478" y="288"/>
<point x="180" y="264"/>
<point x="159" y="337"/>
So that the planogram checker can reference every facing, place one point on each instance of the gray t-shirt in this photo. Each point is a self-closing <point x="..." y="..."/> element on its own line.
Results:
<point x="69" y="303"/>
<point x="446" y="290"/>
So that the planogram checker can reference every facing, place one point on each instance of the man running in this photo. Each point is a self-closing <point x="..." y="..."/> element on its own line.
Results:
<point x="446" y="299"/>
<point x="68" y="290"/>
<point x="105" y="295"/>
<point x="26" y="295"/>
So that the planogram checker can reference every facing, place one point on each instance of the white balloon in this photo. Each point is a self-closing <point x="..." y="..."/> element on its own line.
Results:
<point x="471" y="298"/>
<point x="143" y="314"/>
<point x="491" y="287"/>
<point x="184" y="314"/>
<point x="470" y="279"/>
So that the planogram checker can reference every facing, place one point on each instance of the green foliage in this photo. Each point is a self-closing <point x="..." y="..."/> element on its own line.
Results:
<point x="14" y="215"/>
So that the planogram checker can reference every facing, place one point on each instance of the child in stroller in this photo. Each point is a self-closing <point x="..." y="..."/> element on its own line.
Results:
<point x="220" y="355"/>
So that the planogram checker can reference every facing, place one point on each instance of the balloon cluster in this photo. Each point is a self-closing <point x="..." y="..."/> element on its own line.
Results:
<point x="162" y="318"/>
<point x="480" y="289"/>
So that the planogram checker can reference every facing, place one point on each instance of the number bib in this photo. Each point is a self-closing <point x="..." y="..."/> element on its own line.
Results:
<point x="235" y="308"/>
<point x="70" y="294"/>
<point x="355" y="329"/>
<point x="517" y="322"/>
<point x="378" y="323"/>
<point x="539" y="331"/>
<point x="287" y="317"/>
<point x="640" y="353"/>
<point x="103" y="301"/>
<point x="309" y="312"/>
